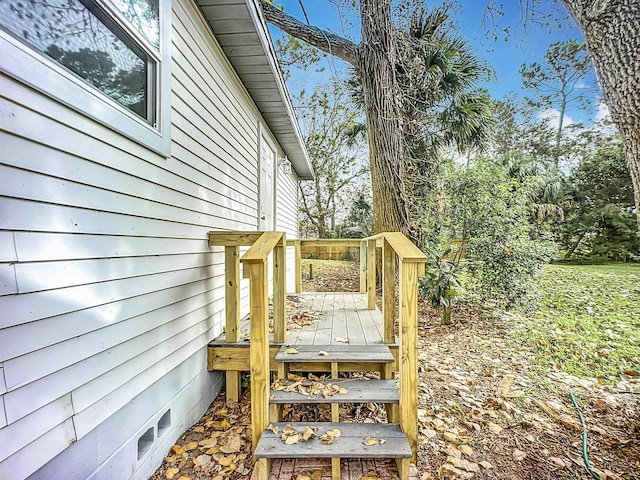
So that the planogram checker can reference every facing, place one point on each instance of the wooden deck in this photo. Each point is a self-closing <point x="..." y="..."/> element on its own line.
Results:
<point x="349" y="326"/>
<point x="333" y="318"/>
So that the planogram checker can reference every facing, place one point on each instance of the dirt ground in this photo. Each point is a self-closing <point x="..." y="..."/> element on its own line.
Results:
<point x="485" y="411"/>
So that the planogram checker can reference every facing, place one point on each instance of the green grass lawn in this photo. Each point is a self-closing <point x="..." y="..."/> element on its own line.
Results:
<point x="589" y="320"/>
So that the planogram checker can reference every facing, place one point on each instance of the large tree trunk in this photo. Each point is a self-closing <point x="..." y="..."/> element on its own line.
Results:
<point x="611" y="29"/>
<point x="374" y="60"/>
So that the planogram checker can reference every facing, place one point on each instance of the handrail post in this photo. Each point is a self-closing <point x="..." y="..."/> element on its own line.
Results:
<point x="408" y="361"/>
<point x="388" y="293"/>
<point x="298" y="267"/>
<point x="363" y="266"/>
<point x="258" y="348"/>
<point x="232" y="312"/>
<point x="371" y="274"/>
<point x="279" y="291"/>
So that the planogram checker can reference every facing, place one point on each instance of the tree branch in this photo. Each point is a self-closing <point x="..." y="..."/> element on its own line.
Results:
<point x="325" y="41"/>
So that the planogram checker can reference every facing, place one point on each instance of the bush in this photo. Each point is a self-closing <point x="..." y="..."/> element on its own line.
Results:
<point x="492" y="210"/>
<point x="440" y="283"/>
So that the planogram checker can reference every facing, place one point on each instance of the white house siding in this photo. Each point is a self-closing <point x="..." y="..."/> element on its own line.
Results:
<point x="287" y="216"/>
<point x="109" y="292"/>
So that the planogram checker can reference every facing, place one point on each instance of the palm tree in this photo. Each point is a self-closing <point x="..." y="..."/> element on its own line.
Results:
<point x="437" y="72"/>
<point x="441" y="105"/>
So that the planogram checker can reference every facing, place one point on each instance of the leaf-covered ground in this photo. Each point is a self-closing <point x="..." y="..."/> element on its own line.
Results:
<point x="494" y="388"/>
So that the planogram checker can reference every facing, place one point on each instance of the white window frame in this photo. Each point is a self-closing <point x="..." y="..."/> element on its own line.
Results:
<point x="36" y="69"/>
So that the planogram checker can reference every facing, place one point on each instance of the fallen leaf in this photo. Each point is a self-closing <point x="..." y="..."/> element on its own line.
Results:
<point x="371" y="476"/>
<point x="290" y="435"/>
<point x="233" y="445"/>
<point x="178" y="449"/>
<point x="292" y="439"/>
<point x="322" y="353"/>
<point x="631" y="373"/>
<point x="342" y="340"/>
<point x="330" y="436"/>
<point x="171" y="472"/>
<point x="495" y="428"/>
<point x="225" y="461"/>
<point x="486" y="465"/>
<point x="558" y="462"/>
<point x="191" y="446"/>
<point x="203" y="461"/>
<point x="519" y="455"/>
<point x="370" y="442"/>
<point x="450" y="437"/>
<point x="308" y="434"/>
<point x="274" y="429"/>
<point x="466" y="449"/>
<point x="184" y="478"/>
<point x="505" y="385"/>
<point x="290" y="351"/>
<point x="464" y="464"/>
<point x="294" y="378"/>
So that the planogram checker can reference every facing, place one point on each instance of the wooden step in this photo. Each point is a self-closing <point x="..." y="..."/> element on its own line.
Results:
<point x="357" y="391"/>
<point x="378" y="353"/>
<point x="350" y="443"/>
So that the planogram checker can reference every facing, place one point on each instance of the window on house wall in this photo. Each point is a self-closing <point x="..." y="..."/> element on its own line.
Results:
<point x="104" y="58"/>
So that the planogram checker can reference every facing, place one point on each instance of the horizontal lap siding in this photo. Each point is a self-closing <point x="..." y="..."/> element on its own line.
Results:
<point x="106" y="279"/>
<point x="287" y="217"/>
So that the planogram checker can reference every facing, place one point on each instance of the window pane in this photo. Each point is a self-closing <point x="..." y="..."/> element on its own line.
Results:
<point x="144" y="16"/>
<point x="87" y="43"/>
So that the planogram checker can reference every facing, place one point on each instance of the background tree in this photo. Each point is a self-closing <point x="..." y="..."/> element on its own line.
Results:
<point x="417" y="99"/>
<point x="374" y="61"/>
<point x="601" y="207"/>
<point x="611" y="29"/>
<point x="518" y="130"/>
<point x="562" y="79"/>
<point x="335" y="144"/>
<point x="441" y="106"/>
<point x="491" y="209"/>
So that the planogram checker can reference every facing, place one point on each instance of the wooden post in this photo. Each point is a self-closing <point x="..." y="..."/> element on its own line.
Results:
<point x="371" y="274"/>
<point x="335" y="418"/>
<point x="389" y="315"/>
<point x="279" y="292"/>
<point x="408" y="361"/>
<point x="259" y="348"/>
<point x="363" y="266"/>
<point x="298" y="267"/>
<point x="388" y="293"/>
<point x="232" y="311"/>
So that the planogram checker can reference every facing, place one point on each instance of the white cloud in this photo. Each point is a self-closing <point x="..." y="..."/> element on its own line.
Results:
<point x="602" y="111"/>
<point x="552" y="116"/>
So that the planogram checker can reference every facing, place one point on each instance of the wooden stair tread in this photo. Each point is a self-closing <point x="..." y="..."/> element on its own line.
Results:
<point x="378" y="353"/>
<point x="348" y="445"/>
<point x="358" y="391"/>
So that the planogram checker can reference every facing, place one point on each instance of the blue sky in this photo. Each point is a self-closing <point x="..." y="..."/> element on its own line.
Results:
<point x="505" y="57"/>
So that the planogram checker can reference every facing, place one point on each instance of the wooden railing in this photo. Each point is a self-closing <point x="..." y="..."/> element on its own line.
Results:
<point x="310" y="243"/>
<point x="255" y="268"/>
<point x="403" y="261"/>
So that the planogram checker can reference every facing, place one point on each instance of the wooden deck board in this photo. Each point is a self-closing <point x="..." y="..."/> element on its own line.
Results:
<point x="348" y="444"/>
<point x="340" y="316"/>
<point x="336" y="353"/>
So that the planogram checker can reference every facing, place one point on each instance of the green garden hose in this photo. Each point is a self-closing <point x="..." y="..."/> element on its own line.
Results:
<point x="585" y="455"/>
